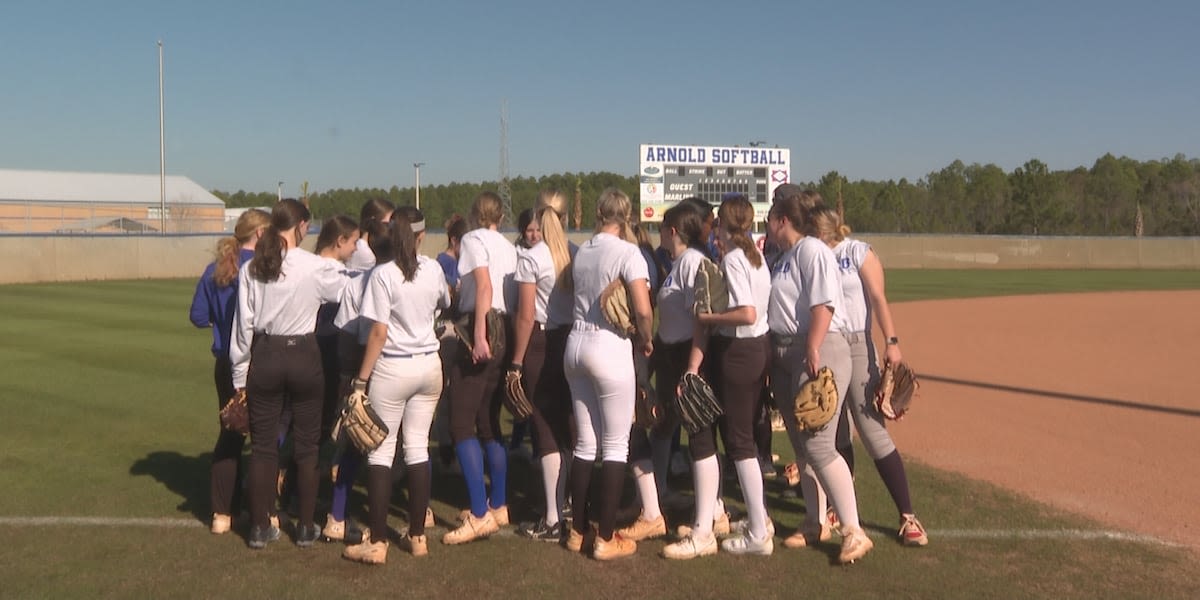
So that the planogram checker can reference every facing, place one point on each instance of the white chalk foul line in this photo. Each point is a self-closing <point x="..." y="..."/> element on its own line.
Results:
<point x="936" y="534"/>
<point x="102" y="521"/>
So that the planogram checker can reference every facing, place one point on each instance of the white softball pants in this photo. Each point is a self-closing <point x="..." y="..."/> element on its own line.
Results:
<point x="599" y="368"/>
<point x="405" y="392"/>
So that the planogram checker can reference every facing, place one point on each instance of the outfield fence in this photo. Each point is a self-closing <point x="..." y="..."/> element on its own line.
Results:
<point x="42" y="258"/>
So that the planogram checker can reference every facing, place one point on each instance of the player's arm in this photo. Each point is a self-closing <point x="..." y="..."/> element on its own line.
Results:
<point x="871" y="273"/>
<point x="375" y="340"/>
<point x="483" y="303"/>
<point x="643" y="314"/>
<point x="523" y="323"/>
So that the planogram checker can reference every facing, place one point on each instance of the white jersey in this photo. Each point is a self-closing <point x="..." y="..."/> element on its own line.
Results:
<point x="553" y="307"/>
<point x="487" y="248"/>
<point x="677" y="298"/>
<point x="362" y="259"/>
<point x="349" y="308"/>
<point x="408" y="308"/>
<point x="748" y="286"/>
<point x="805" y="276"/>
<point x="284" y="307"/>
<point x="598" y="262"/>
<point x="850" y="255"/>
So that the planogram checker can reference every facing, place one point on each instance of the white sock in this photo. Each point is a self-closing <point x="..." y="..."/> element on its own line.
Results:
<point x="750" y="477"/>
<point x="643" y="476"/>
<point x="814" y="496"/>
<point x="835" y="477"/>
<point x="706" y="474"/>
<point x="551" y="469"/>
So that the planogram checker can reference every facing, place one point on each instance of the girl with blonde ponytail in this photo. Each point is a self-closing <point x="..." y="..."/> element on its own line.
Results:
<point x="541" y="325"/>
<point x="213" y="307"/>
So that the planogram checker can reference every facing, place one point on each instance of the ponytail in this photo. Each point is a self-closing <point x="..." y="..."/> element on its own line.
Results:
<point x="247" y="227"/>
<point x="227" y="261"/>
<point x="555" y="238"/>
<point x="736" y="217"/>
<point x="287" y="215"/>
<point x="404" y="240"/>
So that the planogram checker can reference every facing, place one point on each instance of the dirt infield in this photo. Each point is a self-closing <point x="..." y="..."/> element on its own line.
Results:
<point x="1085" y="401"/>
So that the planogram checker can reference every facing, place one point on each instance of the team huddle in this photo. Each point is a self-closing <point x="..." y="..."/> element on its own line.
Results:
<point x="437" y="347"/>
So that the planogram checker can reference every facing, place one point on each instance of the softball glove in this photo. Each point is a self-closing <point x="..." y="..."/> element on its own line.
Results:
<point x="712" y="294"/>
<point x="358" y="422"/>
<point x="615" y="304"/>
<point x="816" y="403"/>
<point x="515" y="399"/>
<point x="897" y="389"/>
<point x="696" y="403"/>
<point x="235" y="415"/>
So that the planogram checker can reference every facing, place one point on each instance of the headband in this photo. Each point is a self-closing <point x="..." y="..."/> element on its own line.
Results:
<point x="417" y="227"/>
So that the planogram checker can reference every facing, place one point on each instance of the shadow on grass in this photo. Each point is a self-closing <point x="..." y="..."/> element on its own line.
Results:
<point x="183" y="475"/>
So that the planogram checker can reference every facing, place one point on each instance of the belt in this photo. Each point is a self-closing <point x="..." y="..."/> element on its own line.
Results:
<point x="780" y="339"/>
<point x="289" y="340"/>
<point x="587" y="326"/>
<point x="417" y="355"/>
<point x="855" y="337"/>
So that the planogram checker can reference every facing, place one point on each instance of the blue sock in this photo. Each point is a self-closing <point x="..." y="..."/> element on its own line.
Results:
<point x="347" y="471"/>
<point x="497" y="458"/>
<point x="470" y="458"/>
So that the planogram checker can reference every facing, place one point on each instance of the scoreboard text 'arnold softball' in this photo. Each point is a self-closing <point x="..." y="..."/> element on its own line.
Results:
<point x="671" y="173"/>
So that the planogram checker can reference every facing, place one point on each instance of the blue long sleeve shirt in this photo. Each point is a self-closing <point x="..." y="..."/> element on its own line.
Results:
<point x="215" y="307"/>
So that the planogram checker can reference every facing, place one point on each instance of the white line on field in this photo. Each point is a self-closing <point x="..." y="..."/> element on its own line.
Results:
<point x="936" y="534"/>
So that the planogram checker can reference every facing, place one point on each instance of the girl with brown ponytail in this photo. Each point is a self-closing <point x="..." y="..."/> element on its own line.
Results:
<point x="213" y="307"/>
<point x="733" y="346"/>
<point x="276" y="359"/>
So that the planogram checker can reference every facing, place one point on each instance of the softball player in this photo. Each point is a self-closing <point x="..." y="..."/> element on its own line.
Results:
<point x="485" y="269"/>
<point x="541" y="326"/>
<point x="276" y="359"/>
<point x="599" y="369"/>
<point x="401" y="361"/>
<point x="376" y="209"/>
<point x="351" y="338"/>
<point x="737" y="369"/>
<point x="456" y="228"/>
<point x="682" y="236"/>
<point x="863" y="285"/>
<point x="213" y="307"/>
<point x="806" y="316"/>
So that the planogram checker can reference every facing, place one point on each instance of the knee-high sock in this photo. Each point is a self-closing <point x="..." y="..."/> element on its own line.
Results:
<point x="891" y="470"/>
<point x="470" y="458"/>
<point x="660" y="452"/>
<point x="706" y="475"/>
<point x="815" y="500"/>
<point x="497" y="458"/>
<point x="419" y="485"/>
<point x="751" y="480"/>
<point x="562" y="494"/>
<point x="551" y="468"/>
<point x="581" y="484"/>
<point x="835" y="478"/>
<point x="379" y="497"/>
<point x="647" y="484"/>
<point x="347" y="470"/>
<point x="612" y="479"/>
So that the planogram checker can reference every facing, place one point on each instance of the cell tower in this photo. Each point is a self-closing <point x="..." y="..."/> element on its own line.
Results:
<point x="505" y="192"/>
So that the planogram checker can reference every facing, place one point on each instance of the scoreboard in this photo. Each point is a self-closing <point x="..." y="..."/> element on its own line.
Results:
<point x="669" y="174"/>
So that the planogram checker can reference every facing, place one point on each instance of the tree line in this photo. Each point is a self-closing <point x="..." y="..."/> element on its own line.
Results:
<point x="1115" y="197"/>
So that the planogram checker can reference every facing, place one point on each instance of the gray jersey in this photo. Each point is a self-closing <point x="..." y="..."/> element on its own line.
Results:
<point x="850" y="255"/>
<point x="806" y="275"/>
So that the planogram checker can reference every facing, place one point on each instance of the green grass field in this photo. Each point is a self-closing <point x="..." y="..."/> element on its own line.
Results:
<point x="108" y="411"/>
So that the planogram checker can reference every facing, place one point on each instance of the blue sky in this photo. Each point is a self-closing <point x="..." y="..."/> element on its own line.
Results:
<point x="352" y="93"/>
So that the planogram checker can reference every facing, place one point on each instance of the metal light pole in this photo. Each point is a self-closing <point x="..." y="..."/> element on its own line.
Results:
<point x="162" y="151"/>
<point x="417" y="166"/>
<point x="279" y="191"/>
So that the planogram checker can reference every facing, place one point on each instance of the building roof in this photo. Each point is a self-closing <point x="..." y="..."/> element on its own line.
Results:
<point x="106" y="188"/>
